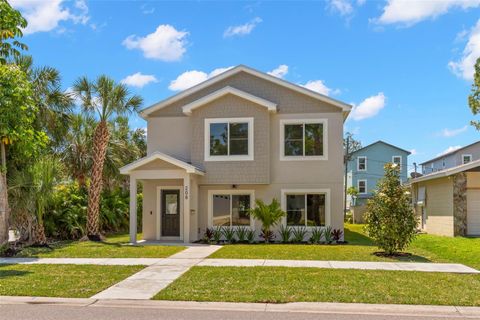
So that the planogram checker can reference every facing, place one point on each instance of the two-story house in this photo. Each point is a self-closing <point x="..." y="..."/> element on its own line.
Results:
<point x="243" y="135"/>
<point x="452" y="159"/>
<point x="366" y="166"/>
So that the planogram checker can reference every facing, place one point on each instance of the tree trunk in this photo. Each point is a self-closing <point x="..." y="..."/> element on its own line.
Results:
<point x="39" y="233"/>
<point x="100" y="142"/>
<point x="4" y="209"/>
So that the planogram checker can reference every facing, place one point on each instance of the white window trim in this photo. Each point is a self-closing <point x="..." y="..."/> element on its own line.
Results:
<point x="283" y="122"/>
<point x="248" y="157"/>
<point x="326" y="192"/>
<point x="393" y="161"/>
<point x="466" y="155"/>
<point x="231" y="192"/>
<point x="358" y="163"/>
<point x="358" y="186"/>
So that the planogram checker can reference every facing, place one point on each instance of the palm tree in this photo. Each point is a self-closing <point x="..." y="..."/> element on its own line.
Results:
<point x="269" y="215"/>
<point x="76" y="153"/>
<point x="106" y="99"/>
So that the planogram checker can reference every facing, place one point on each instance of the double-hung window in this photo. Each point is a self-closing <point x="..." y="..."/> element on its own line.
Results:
<point x="305" y="209"/>
<point x="362" y="186"/>
<point x="229" y="139"/>
<point x="361" y="163"/>
<point x="230" y="209"/>
<point x="398" y="161"/>
<point x="303" y="139"/>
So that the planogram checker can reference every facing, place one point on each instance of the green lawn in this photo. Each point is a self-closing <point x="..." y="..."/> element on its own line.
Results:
<point x="279" y="285"/>
<point x="114" y="247"/>
<point x="426" y="248"/>
<point x="70" y="281"/>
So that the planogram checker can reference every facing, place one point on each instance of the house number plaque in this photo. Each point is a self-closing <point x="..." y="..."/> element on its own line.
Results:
<point x="186" y="192"/>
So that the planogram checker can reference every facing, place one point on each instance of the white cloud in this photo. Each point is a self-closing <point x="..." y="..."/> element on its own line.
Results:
<point x="343" y="7"/>
<point x="193" y="77"/>
<point x="166" y="43"/>
<point x="448" y="150"/>
<point x="447" y="133"/>
<point x="411" y="12"/>
<point x="45" y="16"/>
<point x="279" y="72"/>
<point x="139" y="80"/>
<point x="369" y="107"/>
<point x="320" y="87"/>
<point x="243" y="29"/>
<point x="465" y="66"/>
<point x="413" y="152"/>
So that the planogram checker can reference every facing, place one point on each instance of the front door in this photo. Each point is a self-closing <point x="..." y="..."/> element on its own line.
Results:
<point x="170" y="212"/>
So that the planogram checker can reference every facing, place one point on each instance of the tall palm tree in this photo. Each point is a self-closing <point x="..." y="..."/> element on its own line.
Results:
<point x="106" y="99"/>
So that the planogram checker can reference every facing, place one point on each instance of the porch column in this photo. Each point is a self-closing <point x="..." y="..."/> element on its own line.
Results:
<point x="186" y="208"/>
<point x="133" y="210"/>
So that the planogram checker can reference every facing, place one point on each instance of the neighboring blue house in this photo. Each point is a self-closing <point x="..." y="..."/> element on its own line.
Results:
<point x="366" y="167"/>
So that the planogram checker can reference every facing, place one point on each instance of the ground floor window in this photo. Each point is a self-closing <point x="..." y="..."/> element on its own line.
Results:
<point x="305" y="209"/>
<point x="231" y="210"/>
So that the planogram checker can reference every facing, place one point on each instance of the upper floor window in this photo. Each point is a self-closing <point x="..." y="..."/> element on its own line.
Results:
<point x="466" y="158"/>
<point x="398" y="161"/>
<point x="362" y="186"/>
<point x="303" y="139"/>
<point x="228" y="139"/>
<point x="362" y="163"/>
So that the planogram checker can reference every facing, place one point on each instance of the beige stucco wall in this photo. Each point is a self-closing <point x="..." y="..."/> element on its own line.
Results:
<point x="439" y="206"/>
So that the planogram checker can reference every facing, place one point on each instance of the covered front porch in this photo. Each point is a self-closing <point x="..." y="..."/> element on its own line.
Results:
<point x="170" y="198"/>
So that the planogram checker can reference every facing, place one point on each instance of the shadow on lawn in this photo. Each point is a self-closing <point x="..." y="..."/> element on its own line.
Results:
<point x="11" y="273"/>
<point x="355" y="238"/>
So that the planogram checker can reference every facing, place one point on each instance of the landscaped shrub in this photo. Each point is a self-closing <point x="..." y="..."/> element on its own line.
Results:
<point x="316" y="236"/>
<point x="217" y="234"/>
<point x="267" y="235"/>
<point x="250" y="236"/>
<point x="208" y="235"/>
<point x="327" y="234"/>
<point x="285" y="233"/>
<point x="242" y="234"/>
<point x="337" y="235"/>
<point x="390" y="218"/>
<point x="65" y="217"/>
<point x="229" y="234"/>
<point x="299" y="234"/>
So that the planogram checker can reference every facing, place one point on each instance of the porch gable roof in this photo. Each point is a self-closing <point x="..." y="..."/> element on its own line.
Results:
<point x="157" y="155"/>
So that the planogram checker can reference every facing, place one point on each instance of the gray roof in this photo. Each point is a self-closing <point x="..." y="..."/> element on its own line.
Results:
<point x="380" y="141"/>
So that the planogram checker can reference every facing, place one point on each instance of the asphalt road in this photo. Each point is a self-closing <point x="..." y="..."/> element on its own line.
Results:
<point x="65" y="312"/>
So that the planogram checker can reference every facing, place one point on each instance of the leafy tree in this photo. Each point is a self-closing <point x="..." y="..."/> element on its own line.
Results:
<point x="106" y="99"/>
<point x="474" y="97"/>
<point x="11" y="24"/>
<point x="390" y="219"/>
<point x="268" y="214"/>
<point x="16" y="127"/>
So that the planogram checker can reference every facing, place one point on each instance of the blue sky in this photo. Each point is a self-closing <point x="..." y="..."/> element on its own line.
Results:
<point x="405" y="66"/>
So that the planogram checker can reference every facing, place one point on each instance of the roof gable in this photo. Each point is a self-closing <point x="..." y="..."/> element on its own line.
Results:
<point x="187" y="109"/>
<point x="384" y="143"/>
<point x="451" y="153"/>
<point x="345" y="108"/>
<point x="160" y="156"/>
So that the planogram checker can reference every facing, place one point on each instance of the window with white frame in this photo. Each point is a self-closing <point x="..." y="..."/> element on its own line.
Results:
<point x="398" y="161"/>
<point x="362" y="163"/>
<point x="466" y="158"/>
<point x="362" y="186"/>
<point x="305" y="209"/>
<point x="303" y="139"/>
<point x="228" y="139"/>
<point x="230" y="209"/>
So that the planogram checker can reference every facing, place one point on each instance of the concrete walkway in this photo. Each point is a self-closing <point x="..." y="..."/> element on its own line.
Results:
<point x="149" y="281"/>
<point x="362" y="265"/>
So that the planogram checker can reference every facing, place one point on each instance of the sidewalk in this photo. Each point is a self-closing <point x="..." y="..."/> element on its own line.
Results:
<point x="149" y="281"/>
<point x="384" y="310"/>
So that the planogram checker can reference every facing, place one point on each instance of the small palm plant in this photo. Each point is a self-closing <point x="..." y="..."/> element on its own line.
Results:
<point x="269" y="215"/>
